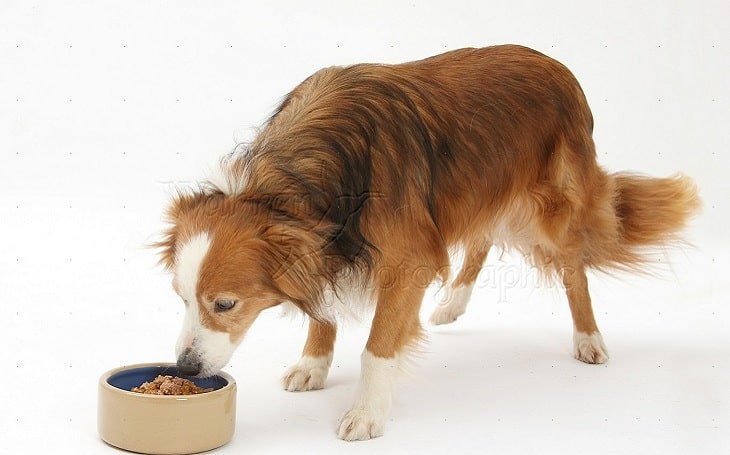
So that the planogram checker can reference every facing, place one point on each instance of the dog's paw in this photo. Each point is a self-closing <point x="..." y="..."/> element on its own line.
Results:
<point x="590" y="348"/>
<point x="309" y="373"/>
<point x="445" y="314"/>
<point x="360" y="424"/>
<point x="452" y="305"/>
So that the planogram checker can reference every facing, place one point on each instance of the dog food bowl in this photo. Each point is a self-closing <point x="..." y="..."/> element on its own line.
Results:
<point x="164" y="424"/>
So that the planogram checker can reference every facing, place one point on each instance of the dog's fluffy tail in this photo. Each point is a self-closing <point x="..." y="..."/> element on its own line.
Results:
<point x="648" y="212"/>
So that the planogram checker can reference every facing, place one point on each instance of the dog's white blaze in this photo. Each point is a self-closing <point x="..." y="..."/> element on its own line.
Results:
<point x="187" y="266"/>
<point x="366" y="417"/>
<point x="212" y="347"/>
<point x="187" y="271"/>
<point x="187" y="334"/>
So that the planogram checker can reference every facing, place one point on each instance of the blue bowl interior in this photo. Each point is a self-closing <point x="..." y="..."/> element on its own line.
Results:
<point x="134" y="377"/>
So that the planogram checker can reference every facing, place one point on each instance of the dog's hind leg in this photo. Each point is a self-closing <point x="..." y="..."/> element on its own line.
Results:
<point x="587" y="340"/>
<point x="310" y="372"/>
<point x="458" y="292"/>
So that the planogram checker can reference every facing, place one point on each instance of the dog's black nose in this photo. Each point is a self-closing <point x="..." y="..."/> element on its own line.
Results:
<point x="188" y="364"/>
<point x="188" y="370"/>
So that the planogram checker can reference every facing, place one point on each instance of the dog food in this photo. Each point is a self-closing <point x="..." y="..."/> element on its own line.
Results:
<point x="170" y="385"/>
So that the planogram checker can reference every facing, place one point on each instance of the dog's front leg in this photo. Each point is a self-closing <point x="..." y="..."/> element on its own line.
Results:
<point x="310" y="372"/>
<point x="395" y="328"/>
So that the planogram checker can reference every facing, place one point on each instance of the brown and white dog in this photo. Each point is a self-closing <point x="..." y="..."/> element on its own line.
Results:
<point x="368" y="175"/>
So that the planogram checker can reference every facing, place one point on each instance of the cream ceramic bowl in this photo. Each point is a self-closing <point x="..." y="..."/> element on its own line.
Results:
<point x="164" y="424"/>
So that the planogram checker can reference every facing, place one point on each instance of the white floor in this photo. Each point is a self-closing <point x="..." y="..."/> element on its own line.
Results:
<point x="103" y="109"/>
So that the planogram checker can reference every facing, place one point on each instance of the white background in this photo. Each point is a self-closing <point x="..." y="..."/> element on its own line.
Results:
<point x="106" y="106"/>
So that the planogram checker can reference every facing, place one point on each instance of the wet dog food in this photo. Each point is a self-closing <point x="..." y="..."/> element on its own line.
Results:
<point x="170" y="385"/>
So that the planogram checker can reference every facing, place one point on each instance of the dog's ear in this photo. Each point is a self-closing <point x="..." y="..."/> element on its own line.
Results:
<point x="297" y="265"/>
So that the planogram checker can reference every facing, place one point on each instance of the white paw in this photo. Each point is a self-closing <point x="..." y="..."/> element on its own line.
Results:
<point x="445" y="314"/>
<point x="365" y="419"/>
<point x="452" y="305"/>
<point x="309" y="373"/>
<point x="589" y="348"/>
<point x="360" y="424"/>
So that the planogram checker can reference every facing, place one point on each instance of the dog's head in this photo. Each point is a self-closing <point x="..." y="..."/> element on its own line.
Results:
<point x="230" y="260"/>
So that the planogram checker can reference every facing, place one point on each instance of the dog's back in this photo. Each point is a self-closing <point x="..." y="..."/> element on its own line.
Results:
<point x="492" y="144"/>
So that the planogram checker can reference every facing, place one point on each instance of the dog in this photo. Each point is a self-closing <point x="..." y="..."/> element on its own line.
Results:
<point x="367" y="176"/>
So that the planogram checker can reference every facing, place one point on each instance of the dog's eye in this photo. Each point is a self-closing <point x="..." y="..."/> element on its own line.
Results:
<point x="224" y="305"/>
